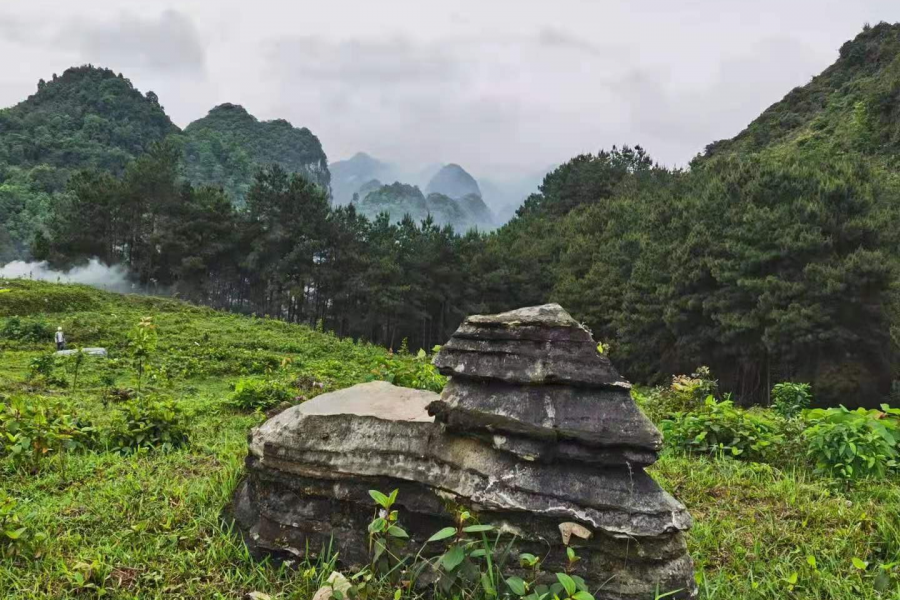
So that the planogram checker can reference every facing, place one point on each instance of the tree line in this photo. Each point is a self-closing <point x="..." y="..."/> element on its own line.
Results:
<point x="764" y="268"/>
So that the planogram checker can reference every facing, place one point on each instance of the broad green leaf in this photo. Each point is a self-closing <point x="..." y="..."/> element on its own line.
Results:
<point x="443" y="534"/>
<point x="527" y="560"/>
<point x="567" y="583"/>
<point x="380" y="498"/>
<point x="377" y="526"/>
<point x="453" y="557"/>
<point x="397" y="532"/>
<point x="582" y="595"/>
<point x="860" y="563"/>
<point x="517" y="585"/>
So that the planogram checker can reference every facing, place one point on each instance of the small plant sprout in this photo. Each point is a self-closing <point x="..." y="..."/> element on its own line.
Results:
<point x="386" y="537"/>
<point x="143" y="340"/>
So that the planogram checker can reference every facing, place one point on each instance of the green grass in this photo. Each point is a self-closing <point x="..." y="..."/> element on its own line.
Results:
<point x="148" y="526"/>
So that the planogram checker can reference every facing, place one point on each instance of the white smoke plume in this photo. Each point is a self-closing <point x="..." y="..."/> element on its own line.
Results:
<point x="94" y="273"/>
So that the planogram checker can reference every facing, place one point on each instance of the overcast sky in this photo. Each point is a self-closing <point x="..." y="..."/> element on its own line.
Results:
<point x="499" y="86"/>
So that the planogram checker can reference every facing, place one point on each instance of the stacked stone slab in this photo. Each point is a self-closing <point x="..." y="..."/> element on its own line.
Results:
<point x="535" y="431"/>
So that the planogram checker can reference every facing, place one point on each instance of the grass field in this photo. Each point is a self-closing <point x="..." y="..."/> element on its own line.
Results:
<point x="146" y="525"/>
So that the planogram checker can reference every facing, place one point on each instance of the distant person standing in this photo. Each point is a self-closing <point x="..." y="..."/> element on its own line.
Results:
<point x="60" y="339"/>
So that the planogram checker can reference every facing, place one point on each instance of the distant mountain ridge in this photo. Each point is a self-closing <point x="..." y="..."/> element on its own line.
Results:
<point x="348" y="176"/>
<point x="88" y="117"/>
<point x="401" y="199"/>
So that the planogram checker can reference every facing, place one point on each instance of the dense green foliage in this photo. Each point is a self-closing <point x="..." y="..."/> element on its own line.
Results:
<point x="790" y="399"/>
<point x="253" y="393"/>
<point x="86" y="118"/>
<point x="720" y="427"/>
<point x="854" y="443"/>
<point x="226" y="148"/>
<point x="91" y="522"/>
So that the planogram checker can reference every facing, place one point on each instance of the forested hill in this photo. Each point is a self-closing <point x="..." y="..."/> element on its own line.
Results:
<point x="86" y="118"/>
<point x="851" y="106"/>
<point x="228" y="146"/>
<point x="92" y="118"/>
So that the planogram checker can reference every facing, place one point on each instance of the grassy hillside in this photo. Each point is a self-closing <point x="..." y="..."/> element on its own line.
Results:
<point x="146" y="524"/>
<point x="850" y="107"/>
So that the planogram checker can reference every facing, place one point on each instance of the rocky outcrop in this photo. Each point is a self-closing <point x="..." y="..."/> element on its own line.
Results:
<point x="519" y="435"/>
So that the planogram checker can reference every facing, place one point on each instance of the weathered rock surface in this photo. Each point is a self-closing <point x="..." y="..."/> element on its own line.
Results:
<point x="526" y="458"/>
<point x="529" y="346"/>
<point x="596" y="417"/>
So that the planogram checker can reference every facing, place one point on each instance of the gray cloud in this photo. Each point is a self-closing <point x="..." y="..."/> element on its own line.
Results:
<point x="556" y="38"/>
<point x="168" y="43"/>
<point x="383" y="62"/>
<point x="679" y="118"/>
<point x="504" y="85"/>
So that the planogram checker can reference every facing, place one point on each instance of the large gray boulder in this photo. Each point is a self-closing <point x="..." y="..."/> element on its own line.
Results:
<point x="525" y="458"/>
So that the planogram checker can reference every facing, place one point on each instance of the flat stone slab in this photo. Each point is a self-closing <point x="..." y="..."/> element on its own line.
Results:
<point x="88" y="351"/>
<point x="530" y="346"/>
<point x="374" y="399"/>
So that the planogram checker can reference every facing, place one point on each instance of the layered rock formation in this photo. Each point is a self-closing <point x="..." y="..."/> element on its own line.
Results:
<point x="535" y="430"/>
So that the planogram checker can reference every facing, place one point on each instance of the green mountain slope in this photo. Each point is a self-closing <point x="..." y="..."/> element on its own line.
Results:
<point x="852" y="106"/>
<point x="227" y="146"/>
<point x="87" y="118"/>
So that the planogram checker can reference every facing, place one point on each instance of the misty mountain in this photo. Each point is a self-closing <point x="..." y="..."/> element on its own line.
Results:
<point x="453" y="181"/>
<point x="401" y="199"/>
<point x="505" y="196"/>
<point x="348" y="176"/>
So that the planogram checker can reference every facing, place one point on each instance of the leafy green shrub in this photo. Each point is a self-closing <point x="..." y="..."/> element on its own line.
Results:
<point x="16" y="538"/>
<point x="853" y="443"/>
<point x="262" y="394"/>
<point x="720" y="427"/>
<point x="31" y="429"/>
<point x="790" y="399"/>
<point x="405" y="370"/>
<point x="43" y="369"/>
<point x="686" y="393"/>
<point x="142" y="343"/>
<point x="471" y="565"/>
<point x="27" y="330"/>
<point x="148" y="423"/>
